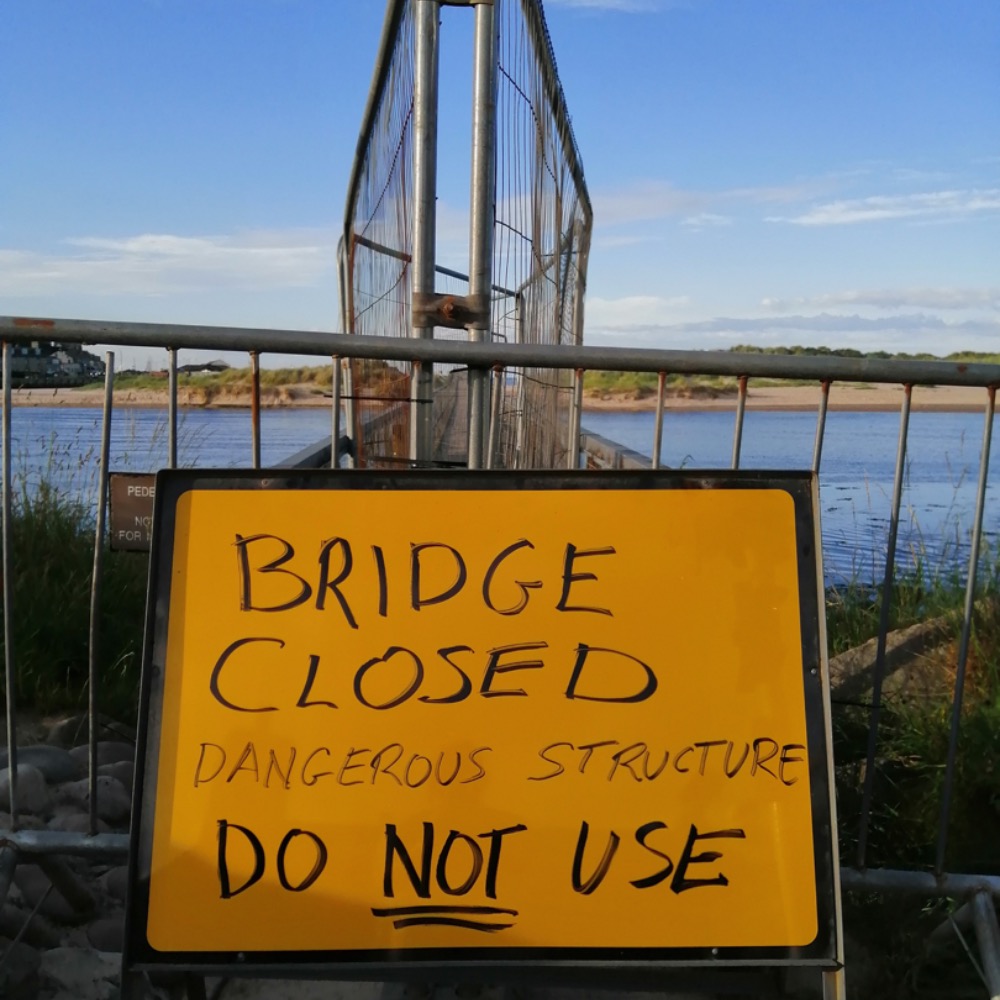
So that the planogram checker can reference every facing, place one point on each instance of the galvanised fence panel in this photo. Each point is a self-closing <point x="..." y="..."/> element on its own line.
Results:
<point x="930" y="871"/>
<point x="529" y="235"/>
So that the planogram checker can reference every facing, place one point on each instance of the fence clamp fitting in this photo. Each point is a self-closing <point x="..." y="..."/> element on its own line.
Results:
<point x="458" y="312"/>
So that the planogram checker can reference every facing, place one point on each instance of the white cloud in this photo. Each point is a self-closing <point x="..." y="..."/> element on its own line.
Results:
<point x="706" y="220"/>
<point x="934" y="205"/>
<point x="615" y="242"/>
<point x="896" y="298"/>
<point x="648" y="200"/>
<point x="644" y="201"/>
<point x="632" y="311"/>
<point x="161" y="263"/>
<point x="910" y="332"/>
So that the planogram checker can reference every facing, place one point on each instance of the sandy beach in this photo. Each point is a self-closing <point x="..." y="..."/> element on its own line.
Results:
<point x="845" y="396"/>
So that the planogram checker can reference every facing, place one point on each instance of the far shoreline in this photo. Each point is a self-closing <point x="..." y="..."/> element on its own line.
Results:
<point x="792" y="398"/>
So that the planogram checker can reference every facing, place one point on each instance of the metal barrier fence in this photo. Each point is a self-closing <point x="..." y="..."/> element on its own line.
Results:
<point x="938" y="880"/>
<point x="529" y="233"/>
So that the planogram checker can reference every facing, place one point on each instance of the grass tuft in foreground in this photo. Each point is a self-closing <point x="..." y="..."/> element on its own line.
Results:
<point x="52" y="555"/>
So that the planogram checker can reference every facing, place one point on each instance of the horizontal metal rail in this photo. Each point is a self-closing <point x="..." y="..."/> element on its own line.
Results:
<point x="821" y="370"/>
<point x="18" y="329"/>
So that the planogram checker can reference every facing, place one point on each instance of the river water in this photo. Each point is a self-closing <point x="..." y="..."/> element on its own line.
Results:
<point x="856" y="476"/>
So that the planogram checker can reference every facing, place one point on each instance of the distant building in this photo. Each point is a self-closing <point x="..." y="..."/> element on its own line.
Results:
<point x="42" y="364"/>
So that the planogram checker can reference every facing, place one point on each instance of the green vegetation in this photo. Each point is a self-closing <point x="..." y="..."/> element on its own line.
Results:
<point x="640" y="385"/>
<point x="52" y="543"/>
<point x="644" y="384"/>
<point x="52" y="566"/>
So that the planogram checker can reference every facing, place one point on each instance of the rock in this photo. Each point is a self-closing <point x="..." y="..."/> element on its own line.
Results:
<point x="113" y="802"/>
<point x="54" y="762"/>
<point x="36" y="930"/>
<point x="70" y="819"/>
<point x="34" y="885"/>
<point x="25" y="821"/>
<point x="69" y="731"/>
<point x="122" y="770"/>
<point x="107" y="933"/>
<point x="81" y="973"/>
<point x="115" y="882"/>
<point x="911" y="653"/>
<point x="32" y="791"/>
<point x="19" y="972"/>
<point x="108" y="752"/>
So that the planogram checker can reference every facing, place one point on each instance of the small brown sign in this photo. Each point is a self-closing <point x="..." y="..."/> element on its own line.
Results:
<point x="132" y="499"/>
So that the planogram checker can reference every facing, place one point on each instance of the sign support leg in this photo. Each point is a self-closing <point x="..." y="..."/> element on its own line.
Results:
<point x="834" y="985"/>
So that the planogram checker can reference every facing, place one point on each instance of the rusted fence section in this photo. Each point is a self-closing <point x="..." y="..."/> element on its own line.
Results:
<point x="937" y="878"/>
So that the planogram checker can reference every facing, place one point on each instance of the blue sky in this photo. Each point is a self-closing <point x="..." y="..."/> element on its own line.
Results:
<point x="762" y="171"/>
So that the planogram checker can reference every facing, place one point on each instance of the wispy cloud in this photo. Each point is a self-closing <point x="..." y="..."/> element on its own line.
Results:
<point x="903" y="331"/>
<point x="632" y="311"/>
<point x="649" y="200"/>
<point x="933" y="205"/>
<point x="706" y="220"/>
<point x="896" y="298"/>
<point x="161" y="263"/>
<point x="646" y="200"/>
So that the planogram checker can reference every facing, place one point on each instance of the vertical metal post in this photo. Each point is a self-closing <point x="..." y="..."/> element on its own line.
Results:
<point x="425" y="114"/>
<point x="172" y="407"/>
<point x="496" y="415"/>
<point x="93" y="670"/>
<point x="255" y="408"/>
<point x="824" y="402"/>
<point x="8" y="589"/>
<point x="580" y="284"/>
<point x="345" y="263"/>
<point x="576" y="408"/>
<point x="834" y="984"/>
<point x="661" y="393"/>
<point x="481" y="213"/>
<point x="883" y="628"/>
<point x="521" y="401"/>
<point x="741" y="408"/>
<point x="963" y="644"/>
<point x="335" y="422"/>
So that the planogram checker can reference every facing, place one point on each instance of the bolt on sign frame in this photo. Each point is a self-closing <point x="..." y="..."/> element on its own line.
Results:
<point x="379" y="742"/>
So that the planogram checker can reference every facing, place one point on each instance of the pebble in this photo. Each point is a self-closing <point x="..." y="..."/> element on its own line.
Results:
<point x="33" y="794"/>
<point x="19" y="973"/>
<point x="108" y="752"/>
<point x="63" y="953"/>
<point x="81" y="972"/>
<point x="113" y="802"/>
<point x="55" y="763"/>
<point x="120" y="770"/>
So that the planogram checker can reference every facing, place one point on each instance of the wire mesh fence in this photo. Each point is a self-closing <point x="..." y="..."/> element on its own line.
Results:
<point x="542" y="236"/>
<point x="541" y="223"/>
<point x="378" y="248"/>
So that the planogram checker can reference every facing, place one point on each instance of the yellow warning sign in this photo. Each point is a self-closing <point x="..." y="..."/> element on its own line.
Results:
<point x="452" y="718"/>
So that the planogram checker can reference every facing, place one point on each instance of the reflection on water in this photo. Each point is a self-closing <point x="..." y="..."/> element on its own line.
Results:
<point x="856" y="476"/>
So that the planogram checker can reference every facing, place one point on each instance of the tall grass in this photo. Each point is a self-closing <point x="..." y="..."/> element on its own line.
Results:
<point x="52" y="564"/>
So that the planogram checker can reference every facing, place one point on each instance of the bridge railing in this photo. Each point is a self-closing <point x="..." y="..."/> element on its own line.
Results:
<point x="937" y="876"/>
